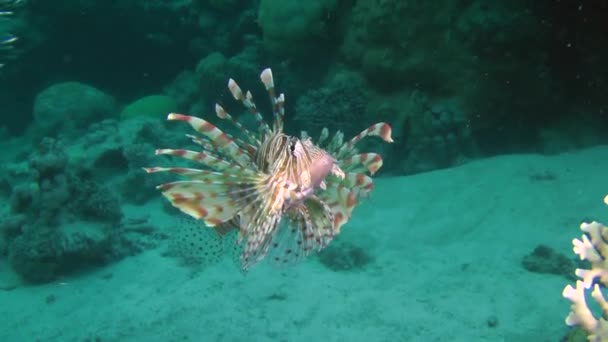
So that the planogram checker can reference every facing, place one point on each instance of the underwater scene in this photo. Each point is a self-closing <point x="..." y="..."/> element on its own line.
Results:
<point x="290" y="170"/>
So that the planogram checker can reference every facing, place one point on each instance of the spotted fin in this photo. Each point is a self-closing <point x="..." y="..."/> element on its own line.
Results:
<point x="260" y="218"/>
<point x="194" y="244"/>
<point x="308" y="227"/>
<point x="255" y="201"/>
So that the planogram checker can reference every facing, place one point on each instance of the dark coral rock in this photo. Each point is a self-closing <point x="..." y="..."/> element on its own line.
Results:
<point x="341" y="105"/>
<point x="97" y="203"/>
<point x="34" y="258"/>
<point x="546" y="260"/>
<point x="69" y="107"/>
<point x="43" y="253"/>
<point x="61" y="219"/>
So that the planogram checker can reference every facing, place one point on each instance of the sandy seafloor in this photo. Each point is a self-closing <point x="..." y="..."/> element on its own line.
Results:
<point x="447" y="249"/>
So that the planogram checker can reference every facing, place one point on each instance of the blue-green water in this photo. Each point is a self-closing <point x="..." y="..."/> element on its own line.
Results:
<point x="453" y="220"/>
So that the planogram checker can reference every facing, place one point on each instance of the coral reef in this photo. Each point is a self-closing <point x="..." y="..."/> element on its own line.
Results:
<point x="430" y="132"/>
<point x="65" y="209"/>
<point x="497" y="59"/>
<point x="195" y="90"/>
<point x="439" y="136"/>
<point x="59" y="218"/>
<point x="509" y="64"/>
<point x="339" y="105"/>
<point x="591" y="247"/>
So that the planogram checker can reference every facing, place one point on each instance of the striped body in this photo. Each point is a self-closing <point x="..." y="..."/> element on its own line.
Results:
<point x="286" y="195"/>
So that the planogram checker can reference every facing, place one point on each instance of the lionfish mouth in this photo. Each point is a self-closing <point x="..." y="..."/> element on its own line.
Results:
<point x="286" y="196"/>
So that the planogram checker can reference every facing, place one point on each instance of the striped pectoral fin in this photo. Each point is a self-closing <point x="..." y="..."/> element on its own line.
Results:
<point x="222" y="114"/>
<point x="258" y="236"/>
<point x="359" y="183"/>
<point x="371" y="162"/>
<point x="196" y="199"/>
<point x="341" y="201"/>
<point x="232" y="176"/>
<point x="261" y="217"/>
<point x="213" y="202"/>
<point x="321" y="219"/>
<point x="202" y="142"/>
<point x="381" y="129"/>
<point x="204" y="158"/>
<point x="219" y="139"/>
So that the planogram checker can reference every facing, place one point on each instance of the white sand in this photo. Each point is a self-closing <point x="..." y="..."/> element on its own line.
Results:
<point x="447" y="250"/>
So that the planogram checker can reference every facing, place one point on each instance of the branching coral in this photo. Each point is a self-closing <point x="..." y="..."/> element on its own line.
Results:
<point x="592" y="247"/>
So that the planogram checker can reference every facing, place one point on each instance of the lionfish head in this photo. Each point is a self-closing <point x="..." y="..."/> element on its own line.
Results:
<point x="285" y="195"/>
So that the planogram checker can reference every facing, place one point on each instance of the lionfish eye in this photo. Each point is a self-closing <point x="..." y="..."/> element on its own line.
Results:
<point x="292" y="146"/>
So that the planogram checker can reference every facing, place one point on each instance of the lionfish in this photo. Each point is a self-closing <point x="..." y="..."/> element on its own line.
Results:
<point x="286" y="195"/>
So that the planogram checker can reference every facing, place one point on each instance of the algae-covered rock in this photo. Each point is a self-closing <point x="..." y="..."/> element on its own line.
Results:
<point x="155" y="106"/>
<point x="68" y="108"/>
<point x="296" y="29"/>
<point x="211" y="72"/>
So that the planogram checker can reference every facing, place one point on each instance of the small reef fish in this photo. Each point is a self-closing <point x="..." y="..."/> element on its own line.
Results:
<point x="7" y="39"/>
<point x="6" y="6"/>
<point x="286" y="195"/>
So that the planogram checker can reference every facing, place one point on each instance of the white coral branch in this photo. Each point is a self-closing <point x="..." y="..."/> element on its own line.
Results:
<point x="593" y="247"/>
